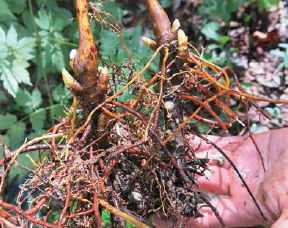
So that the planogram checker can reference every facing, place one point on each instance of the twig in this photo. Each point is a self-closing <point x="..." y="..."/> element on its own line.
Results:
<point x="54" y="131"/>
<point x="206" y="107"/>
<point x="67" y="200"/>
<point x="84" y="136"/>
<point x="96" y="211"/>
<point x="90" y="211"/>
<point x="123" y="215"/>
<point x="155" y="112"/>
<point x="6" y="223"/>
<point x="38" y="206"/>
<point x="162" y="80"/>
<point x="28" y="217"/>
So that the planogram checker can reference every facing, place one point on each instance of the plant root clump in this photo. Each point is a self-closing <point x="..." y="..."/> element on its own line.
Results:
<point x="133" y="175"/>
<point x="131" y="158"/>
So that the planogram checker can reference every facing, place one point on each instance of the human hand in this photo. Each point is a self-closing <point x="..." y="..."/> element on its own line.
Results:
<point x="233" y="202"/>
<point x="270" y="187"/>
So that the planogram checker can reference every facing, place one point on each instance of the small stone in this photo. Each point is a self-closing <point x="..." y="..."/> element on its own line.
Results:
<point x="137" y="196"/>
<point x="169" y="105"/>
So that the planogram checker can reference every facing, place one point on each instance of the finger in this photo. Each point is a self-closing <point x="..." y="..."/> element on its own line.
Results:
<point x="223" y="142"/>
<point x="232" y="215"/>
<point x="216" y="181"/>
<point x="198" y="143"/>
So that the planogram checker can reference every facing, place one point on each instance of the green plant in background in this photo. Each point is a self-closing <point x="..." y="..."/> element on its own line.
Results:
<point x="216" y="15"/>
<point x="266" y="4"/>
<point x="14" y="57"/>
<point x="216" y="52"/>
<point x="220" y="10"/>
<point x="50" y="34"/>
<point x="223" y="10"/>
<point x="282" y="53"/>
<point x="32" y="52"/>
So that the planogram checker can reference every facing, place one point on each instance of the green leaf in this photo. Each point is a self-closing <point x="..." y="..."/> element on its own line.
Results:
<point x="37" y="119"/>
<point x="105" y="217"/>
<point x="20" y="73"/>
<point x="2" y="36"/>
<point x="223" y="39"/>
<point x="284" y="45"/>
<point x="210" y="30"/>
<point x="54" y="216"/>
<point x="16" y="135"/>
<point x="23" y="99"/>
<point x="16" y="6"/>
<point x="246" y="85"/>
<point x="13" y="74"/>
<point x="29" y="101"/>
<point x="166" y="3"/>
<point x="24" y="49"/>
<point x="274" y="112"/>
<point x="265" y="4"/>
<point x="11" y="39"/>
<point x="57" y="58"/>
<point x="51" y="25"/>
<point x="63" y="14"/>
<point x="3" y="47"/>
<point x="134" y="40"/>
<point x="2" y="96"/>
<point x="44" y="20"/>
<point x="110" y="41"/>
<point x="17" y="173"/>
<point x="126" y="96"/>
<point x="13" y="65"/>
<point x="61" y="95"/>
<point x="10" y="83"/>
<point x="219" y="9"/>
<point x="113" y="8"/>
<point x="6" y="121"/>
<point x="278" y="53"/>
<point x="34" y="134"/>
<point x="57" y="111"/>
<point x="129" y="225"/>
<point x="6" y="140"/>
<point x="58" y="25"/>
<point x="36" y="99"/>
<point x="5" y="12"/>
<point x="28" y="21"/>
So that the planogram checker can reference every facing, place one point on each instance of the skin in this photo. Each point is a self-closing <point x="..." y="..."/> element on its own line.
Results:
<point x="268" y="181"/>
